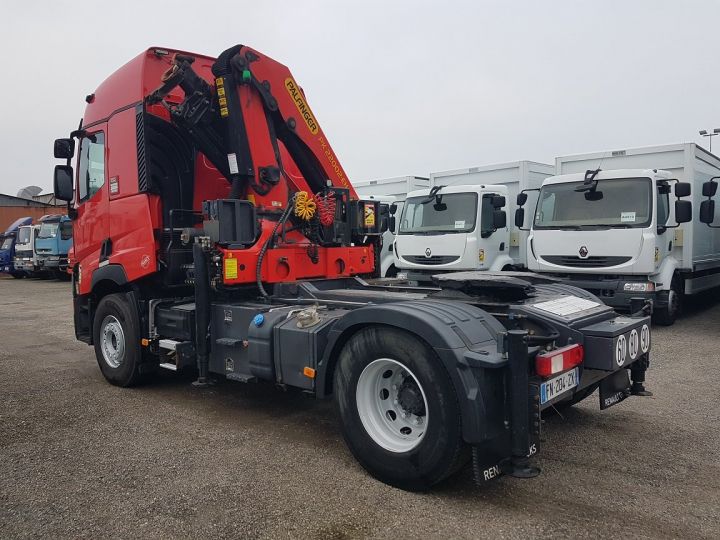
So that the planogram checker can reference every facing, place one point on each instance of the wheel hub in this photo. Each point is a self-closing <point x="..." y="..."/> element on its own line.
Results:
<point x="392" y="405"/>
<point x="410" y="397"/>
<point x="112" y="342"/>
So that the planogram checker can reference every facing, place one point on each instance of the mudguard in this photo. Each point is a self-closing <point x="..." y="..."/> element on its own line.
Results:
<point x="465" y="339"/>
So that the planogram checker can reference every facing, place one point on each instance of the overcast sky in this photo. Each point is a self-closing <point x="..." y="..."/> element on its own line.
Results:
<point x="399" y="87"/>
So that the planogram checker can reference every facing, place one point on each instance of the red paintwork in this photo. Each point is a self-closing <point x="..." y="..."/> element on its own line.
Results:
<point x="133" y="220"/>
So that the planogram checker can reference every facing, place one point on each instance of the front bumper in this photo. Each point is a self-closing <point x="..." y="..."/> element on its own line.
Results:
<point x="25" y="265"/>
<point x="611" y="291"/>
<point x="52" y="262"/>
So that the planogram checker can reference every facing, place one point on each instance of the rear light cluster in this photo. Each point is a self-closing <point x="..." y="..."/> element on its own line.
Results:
<point x="555" y="361"/>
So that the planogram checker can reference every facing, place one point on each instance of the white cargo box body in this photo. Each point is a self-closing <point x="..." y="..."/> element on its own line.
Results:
<point x="687" y="162"/>
<point x="516" y="176"/>
<point x="397" y="186"/>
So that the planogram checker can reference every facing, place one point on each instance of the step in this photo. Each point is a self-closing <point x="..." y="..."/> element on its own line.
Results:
<point x="168" y="365"/>
<point x="241" y="377"/>
<point x="168" y="344"/>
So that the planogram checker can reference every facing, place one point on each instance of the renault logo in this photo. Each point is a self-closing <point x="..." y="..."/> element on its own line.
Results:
<point x="583" y="252"/>
<point x="428" y="253"/>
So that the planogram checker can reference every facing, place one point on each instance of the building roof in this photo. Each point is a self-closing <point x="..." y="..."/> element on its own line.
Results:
<point x="10" y="200"/>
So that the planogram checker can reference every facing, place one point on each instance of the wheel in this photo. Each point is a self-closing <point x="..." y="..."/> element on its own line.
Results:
<point x="116" y="335"/>
<point x="399" y="410"/>
<point x="17" y="275"/>
<point x="671" y="302"/>
<point x="391" y="272"/>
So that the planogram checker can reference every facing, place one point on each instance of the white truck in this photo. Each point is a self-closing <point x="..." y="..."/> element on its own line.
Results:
<point x="26" y="258"/>
<point x="390" y="192"/>
<point x="460" y="223"/>
<point x="616" y="233"/>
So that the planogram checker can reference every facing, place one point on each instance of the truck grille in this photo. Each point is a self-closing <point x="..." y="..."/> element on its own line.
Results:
<point x="435" y="259"/>
<point x="588" y="262"/>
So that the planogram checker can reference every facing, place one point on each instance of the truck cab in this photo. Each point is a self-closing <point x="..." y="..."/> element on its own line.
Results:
<point x="611" y="233"/>
<point x="453" y="228"/>
<point x="8" y="243"/>
<point x="53" y="241"/>
<point x="25" y="259"/>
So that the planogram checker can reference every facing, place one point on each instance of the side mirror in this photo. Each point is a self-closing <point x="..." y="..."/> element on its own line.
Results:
<point x="707" y="211"/>
<point x="709" y="189"/>
<point x="683" y="211"/>
<point x="393" y="209"/>
<point x="499" y="219"/>
<point x="498" y="201"/>
<point x="519" y="217"/>
<point x="391" y="224"/>
<point x="384" y="224"/>
<point x="64" y="148"/>
<point x="63" y="183"/>
<point x="521" y="199"/>
<point x="682" y="189"/>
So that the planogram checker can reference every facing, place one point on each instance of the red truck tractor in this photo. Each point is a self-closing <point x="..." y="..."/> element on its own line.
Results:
<point x="216" y="230"/>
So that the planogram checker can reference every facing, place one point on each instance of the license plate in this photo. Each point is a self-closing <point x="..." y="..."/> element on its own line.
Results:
<point x="559" y="385"/>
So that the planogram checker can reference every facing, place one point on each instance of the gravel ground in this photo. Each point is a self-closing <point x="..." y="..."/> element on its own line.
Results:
<point x="80" y="458"/>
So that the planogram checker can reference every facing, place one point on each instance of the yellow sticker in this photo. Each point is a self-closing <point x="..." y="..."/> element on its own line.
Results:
<point x="369" y="215"/>
<point x="302" y="106"/>
<point x="231" y="269"/>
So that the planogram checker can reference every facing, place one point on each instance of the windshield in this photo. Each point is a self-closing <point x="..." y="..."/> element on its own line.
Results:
<point x="48" y="230"/>
<point x="7" y="243"/>
<point x="619" y="203"/>
<point x="454" y="213"/>
<point x="23" y="235"/>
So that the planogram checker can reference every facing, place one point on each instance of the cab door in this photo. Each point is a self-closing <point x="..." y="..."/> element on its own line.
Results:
<point x="92" y="201"/>
<point x="664" y="242"/>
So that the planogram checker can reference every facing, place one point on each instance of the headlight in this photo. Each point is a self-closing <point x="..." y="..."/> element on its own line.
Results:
<point x="639" y="287"/>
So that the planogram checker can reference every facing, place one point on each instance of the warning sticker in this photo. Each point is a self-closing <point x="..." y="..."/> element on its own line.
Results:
<point x="627" y="217"/>
<point x="233" y="164"/>
<point x="566" y="306"/>
<point x="460" y="224"/>
<point x="231" y="269"/>
<point x="369" y="215"/>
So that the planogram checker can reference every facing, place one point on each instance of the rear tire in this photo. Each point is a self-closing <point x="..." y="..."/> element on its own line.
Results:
<point x="399" y="410"/>
<point x="17" y="275"/>
<point x="116" y="335"/>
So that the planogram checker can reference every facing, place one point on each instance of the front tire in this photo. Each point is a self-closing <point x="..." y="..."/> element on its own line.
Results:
<point x="399" y="410"/>
<point x="116" y="336"/>
<point x="672" y="304"/>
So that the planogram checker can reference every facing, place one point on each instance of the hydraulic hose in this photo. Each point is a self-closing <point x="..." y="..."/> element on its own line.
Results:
<point x="258" y="268"/>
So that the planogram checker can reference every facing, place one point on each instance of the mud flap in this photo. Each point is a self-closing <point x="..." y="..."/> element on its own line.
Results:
<point x="614" y="389"/>
<point x="492" y="459"/>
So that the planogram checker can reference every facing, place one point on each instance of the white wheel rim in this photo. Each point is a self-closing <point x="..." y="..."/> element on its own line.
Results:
<point x="392" y="405"/>
<point x="112" y="341"/>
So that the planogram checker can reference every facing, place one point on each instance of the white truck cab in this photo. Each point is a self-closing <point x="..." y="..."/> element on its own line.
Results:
<point x="453" y="228"/>
<point x="25" y="254"/>
<point x="624" y="234"/>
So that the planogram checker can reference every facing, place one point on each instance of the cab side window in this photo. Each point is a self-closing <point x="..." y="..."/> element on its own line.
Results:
<point x="91" y="171"/>
<point x="66" y="230"/>
<point x="486" y="217"/>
